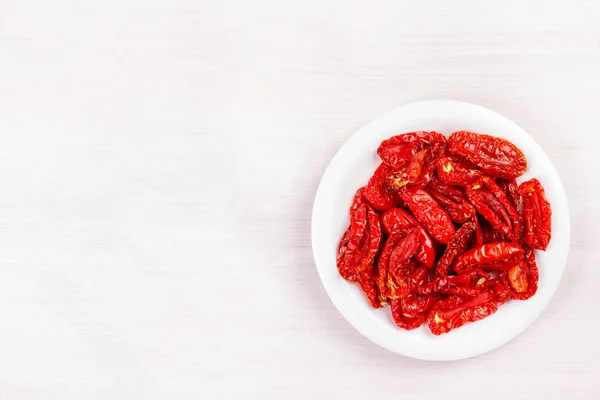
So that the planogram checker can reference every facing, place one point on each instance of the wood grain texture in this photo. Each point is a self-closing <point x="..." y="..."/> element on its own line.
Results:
<point x="158" y="163"/>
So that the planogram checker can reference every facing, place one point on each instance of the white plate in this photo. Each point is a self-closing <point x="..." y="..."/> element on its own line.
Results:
<point x="351" y="168"/>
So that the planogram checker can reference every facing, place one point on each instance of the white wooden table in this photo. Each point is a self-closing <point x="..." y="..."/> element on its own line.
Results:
<point x="158" y="163"/>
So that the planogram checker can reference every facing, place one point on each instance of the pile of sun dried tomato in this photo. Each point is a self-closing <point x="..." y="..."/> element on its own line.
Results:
<point x="442" y="232"/>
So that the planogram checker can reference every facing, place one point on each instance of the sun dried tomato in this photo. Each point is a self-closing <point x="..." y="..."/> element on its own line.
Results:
<point x="489" y="253"/>
<point x="383" y="273"/>
<point x="400" y="266"/>
<point x="341" y="255"/>
<point x="403" y="272"/>
<point x="455" y="311"/>
<point x="507" y="204"/>
<point x="368" y="286"/>
<point x="356" y="262"/>
<point x="522" y="279"/>
<point x="510" y="187"/>
<point x="420" y="277"/>
<point x="452" y="171"/>
<point x="491" y="209"/>
<point x="459" y="211"/>
<point x="489" y="234"/>
<point x="538" y="214"/>
<point x="456" y="246"/>
<point x="478" y="238"/>
<point x="429" y="213"/>
<point x="378" y="192"/>
<point x="392" y="278"/>
<point x="467" y="284"/>
<point x="418" y="171"/>
<point x="502" y="265"/>
<point x="360" y="244"/>
<point x="416" y="306"/>
<point x="414" y="172"/>
<point x="398" y="150"/>
<point x="374" y="239"/>
<point x="495" y="156"/>
<point x="370" y="242"/>
<point x="350" y="243"/>
<point x="402" y="321"/>
<point x="411" y="311"/>
<point x="404" y="249"/>
<point x="357" y="201"/>
<point x="456" y="193"/>
<point x="397" y="220"/>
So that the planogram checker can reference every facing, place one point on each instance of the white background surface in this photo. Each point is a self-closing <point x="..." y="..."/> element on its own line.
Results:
<point x="158" y="162"/>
